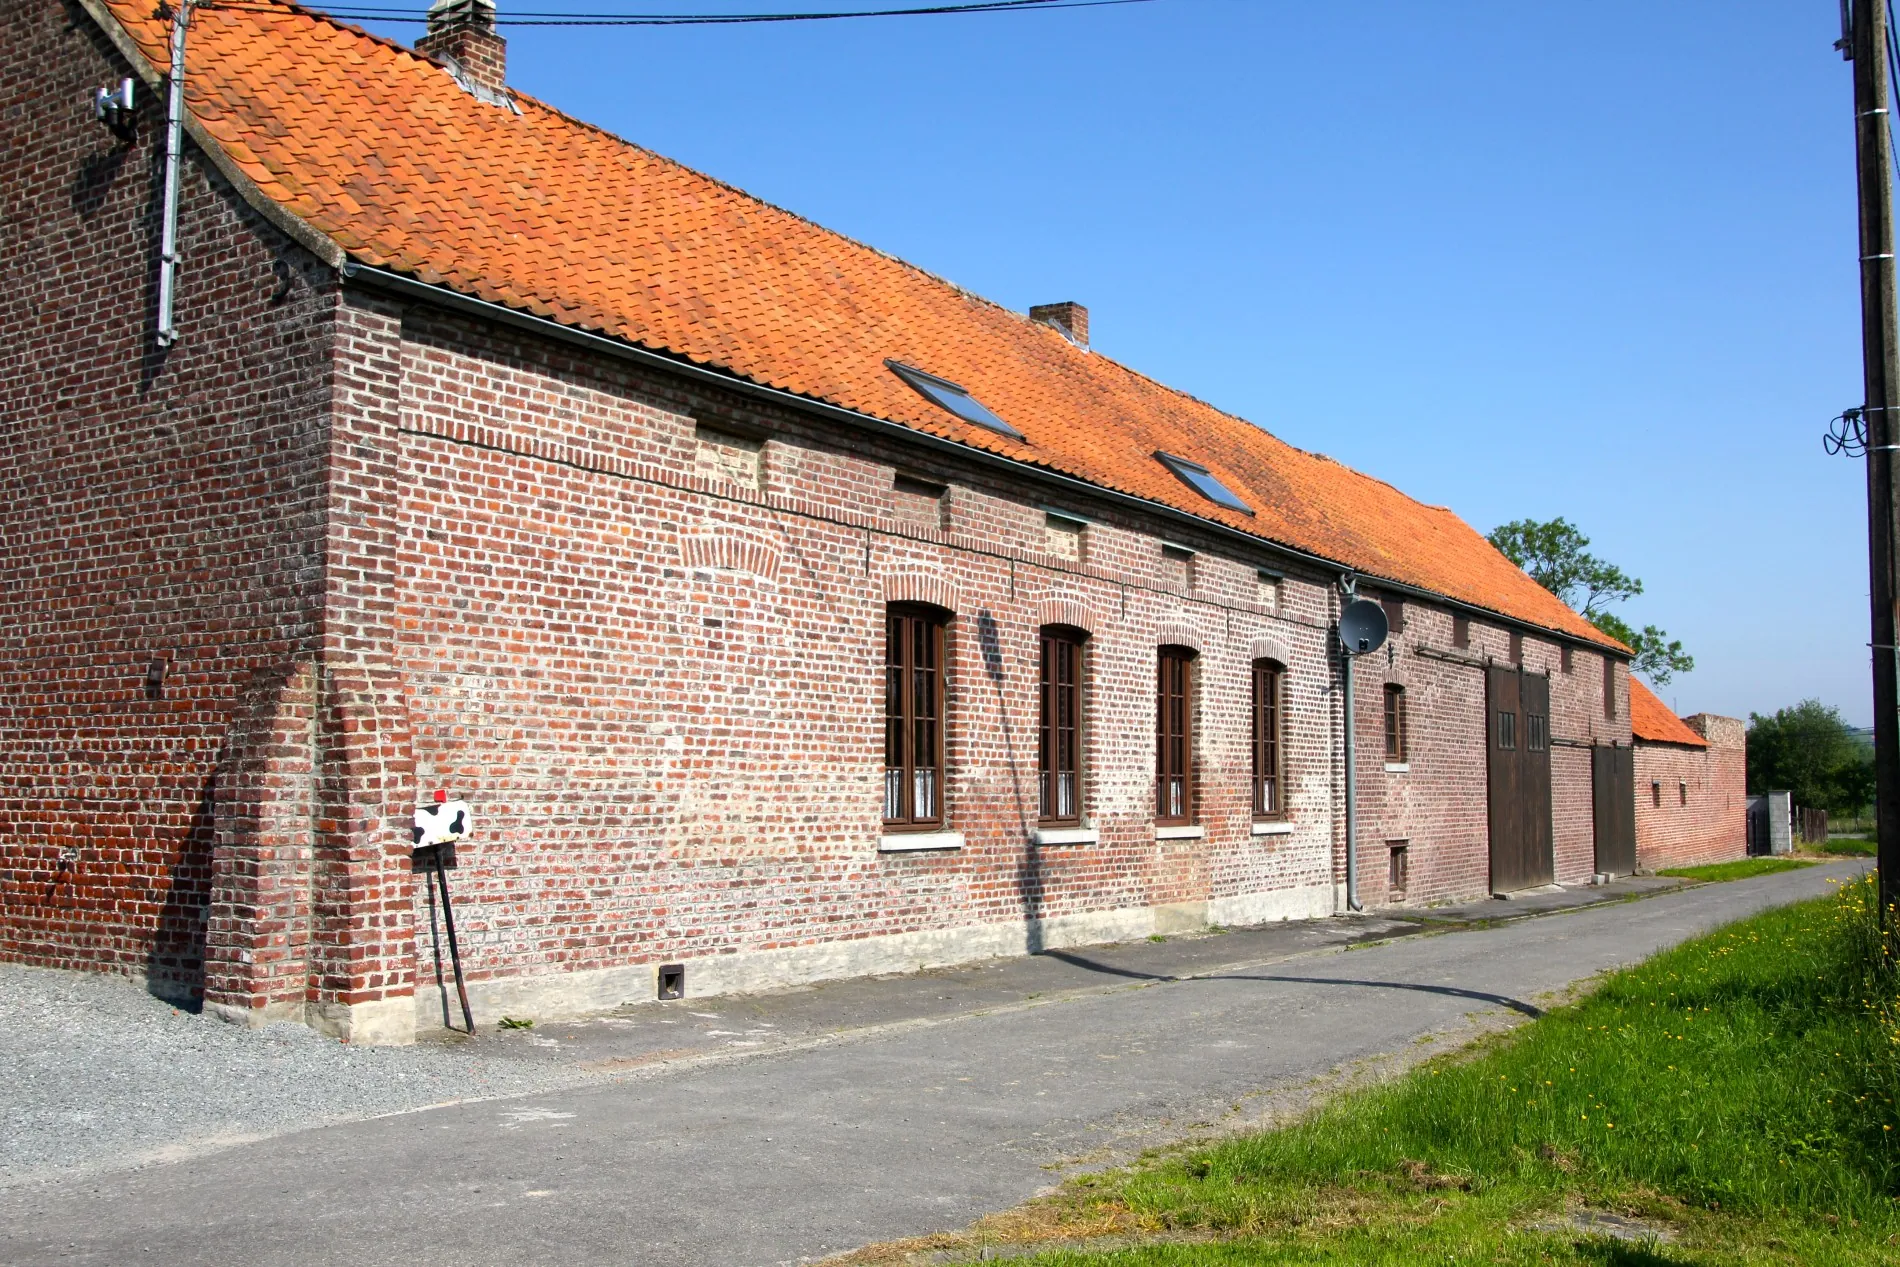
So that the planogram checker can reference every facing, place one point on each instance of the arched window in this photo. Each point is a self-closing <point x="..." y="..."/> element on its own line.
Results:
<point x="1269" y="741"/>
<point x="913" y="718"/>
<point x="1174" y="740"/>
<point x="1059" y="750"/>
<point x="1397" y="727"/>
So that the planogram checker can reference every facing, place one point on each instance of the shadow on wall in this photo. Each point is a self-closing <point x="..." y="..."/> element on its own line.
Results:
<point x="175" y="962"/>
<point x="1029" y="872"/>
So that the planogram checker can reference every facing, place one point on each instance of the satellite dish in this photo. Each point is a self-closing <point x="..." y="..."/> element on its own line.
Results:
<point x="1362" y="626"/>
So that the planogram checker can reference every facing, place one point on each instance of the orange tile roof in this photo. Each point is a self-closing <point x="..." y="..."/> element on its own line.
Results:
<point x="1651" y="720"/>
<point x="377" y="149"/>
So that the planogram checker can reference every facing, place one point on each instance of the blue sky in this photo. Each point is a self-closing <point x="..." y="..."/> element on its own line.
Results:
<point x="1591" y="260"/>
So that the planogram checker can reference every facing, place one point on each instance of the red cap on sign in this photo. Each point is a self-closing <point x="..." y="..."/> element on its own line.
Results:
<point x="440" y="796"/>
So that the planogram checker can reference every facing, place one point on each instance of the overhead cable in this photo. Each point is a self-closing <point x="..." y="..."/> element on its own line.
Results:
<point x="382" y="13"/>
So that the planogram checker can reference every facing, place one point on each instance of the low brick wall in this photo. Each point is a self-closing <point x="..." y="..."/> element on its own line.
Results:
<point x="1691" y="803"/>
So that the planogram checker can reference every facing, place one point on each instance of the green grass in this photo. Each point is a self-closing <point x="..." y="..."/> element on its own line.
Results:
<point x="1847" y="848"/>
<point x="1740" y="869"/>
<point x="1737" y="1091"/>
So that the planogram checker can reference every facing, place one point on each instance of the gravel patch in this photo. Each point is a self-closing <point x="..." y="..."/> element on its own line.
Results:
<point x="100" y="1075"/>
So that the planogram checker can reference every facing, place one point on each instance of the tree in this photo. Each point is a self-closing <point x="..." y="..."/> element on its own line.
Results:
<point x="1658" y="656"/>
<point x="1809" y="752"/>
<point x="1557" y="557"/>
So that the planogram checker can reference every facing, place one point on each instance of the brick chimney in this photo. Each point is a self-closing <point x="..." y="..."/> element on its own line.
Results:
<point x="1071" y="318"/>
<point x="462" y="33"/>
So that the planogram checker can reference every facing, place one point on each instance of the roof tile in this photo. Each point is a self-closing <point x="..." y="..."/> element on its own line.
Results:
<point x="1651" y="720"/>
<point x="376" y="147"/>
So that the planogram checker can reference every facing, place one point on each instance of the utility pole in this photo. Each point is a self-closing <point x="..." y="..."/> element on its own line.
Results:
<point x="1880" y="356"/>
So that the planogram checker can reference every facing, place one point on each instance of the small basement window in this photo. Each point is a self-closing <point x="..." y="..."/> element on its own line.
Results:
<point x="1202" y="481"/>
<point x="916" y="501"/>
<point x="1268" y="592"/>
<point x="951" y="396"/>
<point x="1062" y="536"/>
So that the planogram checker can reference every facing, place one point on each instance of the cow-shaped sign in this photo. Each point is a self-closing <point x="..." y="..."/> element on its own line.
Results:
<point x="443" y="821"/>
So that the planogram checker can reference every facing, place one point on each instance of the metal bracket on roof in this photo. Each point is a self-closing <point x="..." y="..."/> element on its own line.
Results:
<point x="480" y="91"/>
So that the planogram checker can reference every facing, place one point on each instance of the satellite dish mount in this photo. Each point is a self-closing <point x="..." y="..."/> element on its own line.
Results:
<point x="1362" y="630"/>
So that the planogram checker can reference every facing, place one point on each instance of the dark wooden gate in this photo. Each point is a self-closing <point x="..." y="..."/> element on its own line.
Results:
<point x="1518" y="725"/>
<point x="1613" y="793"/>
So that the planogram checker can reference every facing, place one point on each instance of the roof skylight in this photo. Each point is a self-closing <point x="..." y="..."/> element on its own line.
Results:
<point x="1202" y="481"/>
<point x="948" y="395"/>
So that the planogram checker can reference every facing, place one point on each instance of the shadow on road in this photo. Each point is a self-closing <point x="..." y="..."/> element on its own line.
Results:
<point x="1449" y="991"/>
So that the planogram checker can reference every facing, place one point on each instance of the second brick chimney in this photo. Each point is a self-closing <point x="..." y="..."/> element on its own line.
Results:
<point x="1071" y="318"/>
<point x="462" y="32"/>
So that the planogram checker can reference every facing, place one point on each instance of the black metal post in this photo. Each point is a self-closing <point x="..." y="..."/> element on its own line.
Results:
<point x="455" y="953"/>
<point x="1867" y="47"/>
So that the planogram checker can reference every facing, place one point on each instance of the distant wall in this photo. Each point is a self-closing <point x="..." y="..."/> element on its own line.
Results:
<point x="1703" y="814"/>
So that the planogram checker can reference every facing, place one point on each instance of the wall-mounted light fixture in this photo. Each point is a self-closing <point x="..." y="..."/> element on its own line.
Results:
<point x="113" y="107"/>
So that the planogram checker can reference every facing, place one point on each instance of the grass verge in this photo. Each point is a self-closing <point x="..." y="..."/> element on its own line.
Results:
<point x="1731" y="1100"/>
<point x="1740" y="869"/>
<point x="1846" y="847"/>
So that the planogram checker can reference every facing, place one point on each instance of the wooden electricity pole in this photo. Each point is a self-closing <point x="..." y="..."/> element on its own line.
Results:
<point x="1867" y="46"/>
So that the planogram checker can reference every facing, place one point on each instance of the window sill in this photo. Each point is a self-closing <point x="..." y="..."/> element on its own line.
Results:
<point x="1066" y="836"/>
<point x="1186" y="831"/>
<point x="1273" y="829"/>
<point x="1398" y="767"/>
<point x="907" y="841"/>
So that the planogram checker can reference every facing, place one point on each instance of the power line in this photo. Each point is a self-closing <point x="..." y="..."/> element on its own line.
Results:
<point x="378" y="13"/>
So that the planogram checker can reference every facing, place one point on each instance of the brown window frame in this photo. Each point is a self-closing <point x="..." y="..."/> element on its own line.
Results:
<point x="1268" y="712"/>
<point x="1174" y="736"/>
<point x="1397" y="725"/>
<point x="1394" y="614"/>
<point x="1564" y="655"/>
<point x="1461" y="632"/>
<point x="1516" y="649"/>
<point x="903" y="625"/>
<point x="1059" y="729"/>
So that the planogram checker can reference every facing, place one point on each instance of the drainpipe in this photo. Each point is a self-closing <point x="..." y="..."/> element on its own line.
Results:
<point x="174" y="142"/>
<point x="1349" y="586"/>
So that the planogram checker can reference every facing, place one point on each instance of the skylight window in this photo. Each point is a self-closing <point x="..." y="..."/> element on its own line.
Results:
<point x="1202" y="481"/>
<point x="948" y="395"/>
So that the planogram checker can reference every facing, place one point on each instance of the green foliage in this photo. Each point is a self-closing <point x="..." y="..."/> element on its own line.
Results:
<point x="1658" y="656"/>
<point x="1850" y="848"/>
<point x="1739" y="1091"/>
<point x="1809" y="752"/>
<point x="1740" y="869"/>
<point x="1556" y="556"/>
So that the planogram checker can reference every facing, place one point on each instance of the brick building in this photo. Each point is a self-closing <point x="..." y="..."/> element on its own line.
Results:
<point x="784" y="611"/>
<point x="1691" y="784"/>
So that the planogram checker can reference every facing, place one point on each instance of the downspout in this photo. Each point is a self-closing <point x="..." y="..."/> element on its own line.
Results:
<point x="1349" y="586"/>
<point x="174" y="142"/>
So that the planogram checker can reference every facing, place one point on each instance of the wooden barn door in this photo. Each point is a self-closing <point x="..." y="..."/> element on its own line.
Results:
<point x="1613" y="795"/>
<point x="1518" y="724"/>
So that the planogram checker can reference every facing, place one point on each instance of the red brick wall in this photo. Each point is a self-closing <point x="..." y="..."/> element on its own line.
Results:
<point x="1437" y="805"/>
<point x="155" y="507"/>
<point x="1713" y="825"/>
<point x="675" y="760"/>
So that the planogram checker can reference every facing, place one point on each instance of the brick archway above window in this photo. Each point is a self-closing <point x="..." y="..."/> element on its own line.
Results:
<point x="1175" y="633"/>
<point x="920" y="587"/>
<point x="1270" y="649"/>
<point x="730" y="552"/>
<point x="1066" y="611"/>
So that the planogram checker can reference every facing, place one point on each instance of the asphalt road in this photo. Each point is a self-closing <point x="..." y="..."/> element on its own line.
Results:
<point x="792" y="1155"/>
